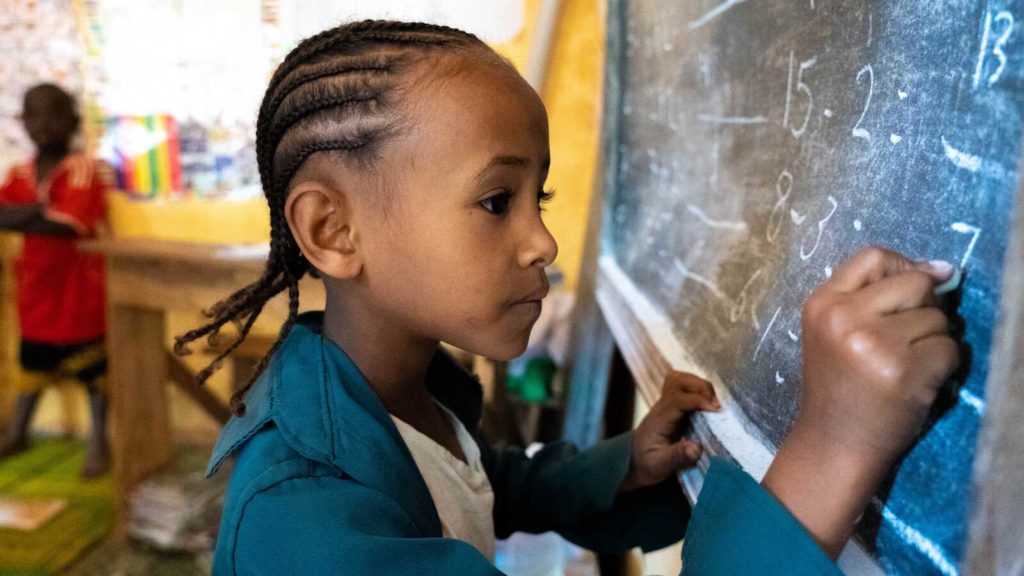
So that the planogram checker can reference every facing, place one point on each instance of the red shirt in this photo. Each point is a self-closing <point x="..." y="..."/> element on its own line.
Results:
<point x="61" y="290"/>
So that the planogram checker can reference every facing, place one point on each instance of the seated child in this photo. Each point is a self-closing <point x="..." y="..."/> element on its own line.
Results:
<point x="404" y="165"/>
<point x="55" y="199"/>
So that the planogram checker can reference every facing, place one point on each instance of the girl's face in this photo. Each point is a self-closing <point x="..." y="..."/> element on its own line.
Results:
<point x="458" y="254"/>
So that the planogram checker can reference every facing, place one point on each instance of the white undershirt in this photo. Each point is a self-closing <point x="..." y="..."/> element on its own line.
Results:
<point x="461" y="491"/>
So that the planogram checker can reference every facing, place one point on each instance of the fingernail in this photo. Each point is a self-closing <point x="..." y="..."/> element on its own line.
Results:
<point x="941" y="267"/>
<point x="951" y="284"/>
<point x="693" y="451"/>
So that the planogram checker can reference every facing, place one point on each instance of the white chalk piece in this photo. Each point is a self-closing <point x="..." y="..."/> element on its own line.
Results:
<point x="949" y="285"/>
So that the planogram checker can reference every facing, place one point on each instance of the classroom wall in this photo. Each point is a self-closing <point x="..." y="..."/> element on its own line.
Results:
<point x="571" y="93"/>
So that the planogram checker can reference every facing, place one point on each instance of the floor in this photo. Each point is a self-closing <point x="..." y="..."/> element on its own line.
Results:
<point x="76" y="537"/>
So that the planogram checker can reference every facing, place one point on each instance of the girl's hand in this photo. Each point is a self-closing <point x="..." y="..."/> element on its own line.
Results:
<point x="658" y="446"/>
<point x="876" y="351"/>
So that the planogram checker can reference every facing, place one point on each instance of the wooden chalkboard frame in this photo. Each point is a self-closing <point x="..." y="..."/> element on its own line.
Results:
<point x="994" y="543"/>
<point x="611" y="307"/>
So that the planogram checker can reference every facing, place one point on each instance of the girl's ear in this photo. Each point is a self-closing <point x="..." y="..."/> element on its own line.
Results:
<point x="321" y="221"/>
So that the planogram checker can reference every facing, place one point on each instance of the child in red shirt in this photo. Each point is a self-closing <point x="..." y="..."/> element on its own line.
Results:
<point x="55" y="199"/>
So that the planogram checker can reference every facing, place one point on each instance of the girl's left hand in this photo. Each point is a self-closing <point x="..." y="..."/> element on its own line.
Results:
<point x="658" y="446"/>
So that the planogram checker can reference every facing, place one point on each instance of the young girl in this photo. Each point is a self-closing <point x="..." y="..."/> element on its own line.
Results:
<point x="404" y="164"/>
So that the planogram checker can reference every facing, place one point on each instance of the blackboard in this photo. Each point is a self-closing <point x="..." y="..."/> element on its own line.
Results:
<point x="752" y="145"/>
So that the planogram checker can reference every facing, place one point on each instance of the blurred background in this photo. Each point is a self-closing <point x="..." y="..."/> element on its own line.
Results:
<point x="168" y="92"/>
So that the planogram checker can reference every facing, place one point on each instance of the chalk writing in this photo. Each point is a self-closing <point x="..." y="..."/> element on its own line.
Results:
<point x="731" y="119"/>
<point x="705" y="282"/>
<point x="712" y="223"/>
<point x="998" y="48"/>
<point x="785" y="180"/>
<point x="714" y="13"/>
<point x="742" y="298"/>
<point x="961" y="159"/>
<point x="767" y="330"/>
<point x="974" y="231"/>
<point x="859" y="132"/>
<point x="800" y="87"/>
<point x="915" y="538"/>
<point x="806" y="254"/>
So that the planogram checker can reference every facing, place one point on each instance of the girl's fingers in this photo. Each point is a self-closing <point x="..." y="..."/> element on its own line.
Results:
<point x="903" y="291"/>
<point x="689" y="383"/>
<point x="685" y="454"/>
<point x="684" y="402"/>
<point x="913" y="325"/>
<point x="673" y="408"/>
<point x="867" y="267"/>
<point x="873" y="264"/>
<point x="939" y="355"/>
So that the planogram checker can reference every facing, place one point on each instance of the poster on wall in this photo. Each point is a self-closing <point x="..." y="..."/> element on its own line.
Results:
<point x="182" y="85"/>
<point x="38" y="43"/>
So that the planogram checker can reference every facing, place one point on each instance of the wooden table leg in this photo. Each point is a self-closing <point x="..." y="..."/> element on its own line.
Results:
<point x="141" y="441"/>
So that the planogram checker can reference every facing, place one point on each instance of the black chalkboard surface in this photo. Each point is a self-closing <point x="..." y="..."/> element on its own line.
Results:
<point x="751" y="145"/>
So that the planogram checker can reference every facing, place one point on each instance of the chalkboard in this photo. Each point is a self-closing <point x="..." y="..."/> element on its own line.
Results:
<point x="752" y="145"/>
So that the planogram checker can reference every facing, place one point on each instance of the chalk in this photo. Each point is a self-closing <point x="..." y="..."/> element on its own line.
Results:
<point x="949" y="285"/>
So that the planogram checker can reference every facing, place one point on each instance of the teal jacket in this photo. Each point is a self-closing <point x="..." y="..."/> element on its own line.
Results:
<point x="324" y="484"/>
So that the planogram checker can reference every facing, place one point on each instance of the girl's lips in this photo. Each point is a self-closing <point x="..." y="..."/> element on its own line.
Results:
<point x="530" y="308"/>
<point x="535" y="296"/>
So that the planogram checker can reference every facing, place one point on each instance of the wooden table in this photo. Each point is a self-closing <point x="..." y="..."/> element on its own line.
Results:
<point x="146" y="279"/>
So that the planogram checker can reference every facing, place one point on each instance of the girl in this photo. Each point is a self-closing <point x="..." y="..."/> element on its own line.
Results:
<point x="404" y="164"/>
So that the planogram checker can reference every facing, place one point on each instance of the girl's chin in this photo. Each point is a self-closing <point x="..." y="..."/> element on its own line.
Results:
<point x="508" y="348"/>
<point x="506" y="353"/>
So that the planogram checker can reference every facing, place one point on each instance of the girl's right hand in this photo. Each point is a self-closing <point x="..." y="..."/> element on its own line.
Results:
<point x="876" y="351"/>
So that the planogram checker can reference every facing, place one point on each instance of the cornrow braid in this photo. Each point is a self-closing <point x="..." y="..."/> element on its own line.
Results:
<point x="335" y="92"/>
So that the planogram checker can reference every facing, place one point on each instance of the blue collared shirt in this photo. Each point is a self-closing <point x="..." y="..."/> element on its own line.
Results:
<point x="324" y="484"/>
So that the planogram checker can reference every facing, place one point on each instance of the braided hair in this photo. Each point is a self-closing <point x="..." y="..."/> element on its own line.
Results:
<point x="335" y="92"/>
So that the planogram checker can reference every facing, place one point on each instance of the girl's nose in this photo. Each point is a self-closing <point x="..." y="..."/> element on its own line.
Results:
<point x="540" y="248"/>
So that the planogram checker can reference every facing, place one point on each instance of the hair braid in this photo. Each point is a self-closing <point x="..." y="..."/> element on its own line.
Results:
<point x="334" y="92"/>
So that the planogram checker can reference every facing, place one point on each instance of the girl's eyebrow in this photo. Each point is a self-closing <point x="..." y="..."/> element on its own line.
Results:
<point x="514" y="161"/>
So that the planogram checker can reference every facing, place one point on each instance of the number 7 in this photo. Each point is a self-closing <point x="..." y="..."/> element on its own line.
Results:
<point x="974" y="231"/>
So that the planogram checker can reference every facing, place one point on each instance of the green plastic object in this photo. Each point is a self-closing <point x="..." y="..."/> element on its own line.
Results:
<point x="535" y="381"/>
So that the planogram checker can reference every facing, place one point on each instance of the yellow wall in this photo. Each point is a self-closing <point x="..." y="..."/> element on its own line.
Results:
<point x="572" y="95"/>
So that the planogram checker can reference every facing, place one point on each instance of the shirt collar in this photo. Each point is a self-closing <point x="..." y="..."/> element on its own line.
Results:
<point x="326" y="411"/>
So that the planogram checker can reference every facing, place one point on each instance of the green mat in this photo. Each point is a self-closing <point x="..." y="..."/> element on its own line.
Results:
<point x="50" y="469"/>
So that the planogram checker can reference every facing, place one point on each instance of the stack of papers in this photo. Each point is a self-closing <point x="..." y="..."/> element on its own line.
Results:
<point x="28" y="514"/>
<point x="176" y="512"/>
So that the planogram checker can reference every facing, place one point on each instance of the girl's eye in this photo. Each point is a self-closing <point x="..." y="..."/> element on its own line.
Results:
<point x="497" y="204"/>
